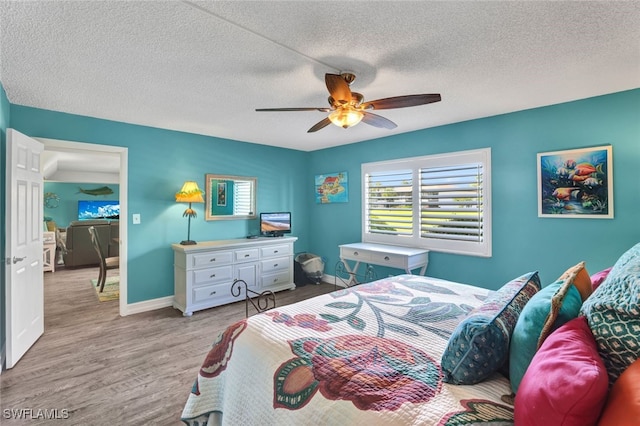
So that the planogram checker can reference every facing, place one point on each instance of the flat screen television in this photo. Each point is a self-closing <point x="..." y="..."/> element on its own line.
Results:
<point x="98" y="209"/>
<point x="275" y="224"/>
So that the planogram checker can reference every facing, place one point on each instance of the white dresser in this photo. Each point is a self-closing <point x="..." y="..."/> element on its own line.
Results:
<point x="203" y="273"/>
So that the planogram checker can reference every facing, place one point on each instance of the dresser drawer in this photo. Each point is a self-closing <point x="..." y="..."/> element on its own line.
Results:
<point x="355" y="254"/>
<point x="268" y="280"/>
<point x="246" y="255"/>
<point x="387" y="259"/>
<point x="212" y="275"/>
<point x="274" y="251"/>
<point x="210" y="292"/>
<point x="211" y="259"/>
<point x="275" y="264"/>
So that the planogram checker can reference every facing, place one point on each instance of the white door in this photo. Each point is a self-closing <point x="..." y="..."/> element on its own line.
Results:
<point x="24" y="280"/>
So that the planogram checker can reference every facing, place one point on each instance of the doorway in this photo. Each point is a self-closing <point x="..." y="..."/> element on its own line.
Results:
<point x="91" y="151"/>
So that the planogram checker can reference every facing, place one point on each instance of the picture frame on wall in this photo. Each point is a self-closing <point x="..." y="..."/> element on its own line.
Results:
<point x="576" y="183"/>
<point x="221" y="197"/>
<point x="332" y="188"/>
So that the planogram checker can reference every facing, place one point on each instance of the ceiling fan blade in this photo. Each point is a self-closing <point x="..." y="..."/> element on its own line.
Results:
<point x="320" y="125"/>
<point x="338" y="88"/>
<point x="402" y="101"/>
<point x="322" y="109"/>
<point x="378" y="121"/>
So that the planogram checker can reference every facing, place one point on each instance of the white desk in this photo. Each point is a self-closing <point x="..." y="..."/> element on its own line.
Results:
<point x="384" y="255"/>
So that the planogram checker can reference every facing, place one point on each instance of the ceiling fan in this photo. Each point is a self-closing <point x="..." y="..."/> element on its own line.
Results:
<point x="347" y="108"/>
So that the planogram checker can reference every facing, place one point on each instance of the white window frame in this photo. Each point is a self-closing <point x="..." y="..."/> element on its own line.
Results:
<point x="415" y="164"/>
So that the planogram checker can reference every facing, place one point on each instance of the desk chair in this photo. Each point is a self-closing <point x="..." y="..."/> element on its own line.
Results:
<point x="106" y="263"/>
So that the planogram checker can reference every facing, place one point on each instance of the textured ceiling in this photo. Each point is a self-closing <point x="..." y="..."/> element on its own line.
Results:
<point x="204" y="67"/>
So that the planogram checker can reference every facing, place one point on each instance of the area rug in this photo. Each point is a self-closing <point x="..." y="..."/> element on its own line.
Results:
<point x="111" y="289"/>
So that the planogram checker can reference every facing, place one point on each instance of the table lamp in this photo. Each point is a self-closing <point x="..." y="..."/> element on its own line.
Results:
<point x="190" y="193"/>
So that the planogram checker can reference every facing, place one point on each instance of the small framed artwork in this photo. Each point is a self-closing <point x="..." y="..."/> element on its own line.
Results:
<point x="222" y="194"/>
<point x="332" y="188"/>
<point x="576" y="183"/>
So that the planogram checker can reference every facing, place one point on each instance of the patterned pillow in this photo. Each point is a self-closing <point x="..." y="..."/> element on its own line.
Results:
<point x="566" y="382"/>
<point x="479" y="345"/>
<point x="613" y="312"/>
<point x="547" y="310"/>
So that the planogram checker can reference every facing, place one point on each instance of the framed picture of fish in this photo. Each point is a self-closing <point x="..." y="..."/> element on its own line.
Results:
<point x="576" y="183"/>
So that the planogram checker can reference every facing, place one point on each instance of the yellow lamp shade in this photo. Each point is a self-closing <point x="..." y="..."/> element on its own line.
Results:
<point x="190" y="193"/>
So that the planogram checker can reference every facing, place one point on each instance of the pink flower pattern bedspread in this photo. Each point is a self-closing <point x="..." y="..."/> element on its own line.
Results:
<point x="367" y="355"/>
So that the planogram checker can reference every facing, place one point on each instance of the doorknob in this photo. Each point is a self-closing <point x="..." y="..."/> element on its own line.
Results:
<point x="18" y="259"/>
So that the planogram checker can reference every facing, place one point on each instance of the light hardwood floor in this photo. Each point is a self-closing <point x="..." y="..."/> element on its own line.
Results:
<point x="110" y="370"/>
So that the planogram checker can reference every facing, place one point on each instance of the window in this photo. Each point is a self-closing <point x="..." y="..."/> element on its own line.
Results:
<point x="242" y="198"/>
<point x="439" y="202"/>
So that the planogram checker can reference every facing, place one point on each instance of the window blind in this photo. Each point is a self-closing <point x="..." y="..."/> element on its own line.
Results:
<point x="451" y="203"/>
<point x="390" y="202"/>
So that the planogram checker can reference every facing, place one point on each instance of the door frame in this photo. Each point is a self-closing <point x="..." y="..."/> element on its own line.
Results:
<point x="123" y="178"/>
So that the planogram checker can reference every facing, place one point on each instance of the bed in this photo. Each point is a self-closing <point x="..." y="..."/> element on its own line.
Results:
<point x="364" y="355"/>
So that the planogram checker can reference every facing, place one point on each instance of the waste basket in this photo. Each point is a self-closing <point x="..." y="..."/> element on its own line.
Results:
<point x="312" y="265"/>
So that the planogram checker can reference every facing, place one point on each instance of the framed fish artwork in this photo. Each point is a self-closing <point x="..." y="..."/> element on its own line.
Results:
<point x="576" y="183"/>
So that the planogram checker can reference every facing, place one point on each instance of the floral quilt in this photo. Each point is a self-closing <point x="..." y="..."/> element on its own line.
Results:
<point x="366" y="355"/>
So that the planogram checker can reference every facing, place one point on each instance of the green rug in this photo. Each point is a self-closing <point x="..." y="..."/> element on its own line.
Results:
<point x="111" y="289"/>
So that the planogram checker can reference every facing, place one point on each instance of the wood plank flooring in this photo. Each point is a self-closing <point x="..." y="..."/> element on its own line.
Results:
<point x="104" y="369"/>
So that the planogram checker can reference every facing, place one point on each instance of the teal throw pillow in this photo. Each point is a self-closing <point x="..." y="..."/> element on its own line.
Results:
<point x="613" y="313"/>
<point x="528" y="334"/>
<point x="479" y="345"/>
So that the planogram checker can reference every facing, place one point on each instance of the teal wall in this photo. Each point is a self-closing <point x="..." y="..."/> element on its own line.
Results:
<point x="69" y="194"/>
<point x="161" y="160"/>
<point x="159" y="163"/>
<point x="522" y="242"/>
<point x="5" y="113"/>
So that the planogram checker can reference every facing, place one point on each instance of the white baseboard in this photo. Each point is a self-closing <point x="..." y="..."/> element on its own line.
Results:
<point x="332" y="279"/>
<point x="148" y="305"/>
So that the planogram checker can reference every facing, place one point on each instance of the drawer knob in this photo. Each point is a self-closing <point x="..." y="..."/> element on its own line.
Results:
<point x="246" y="255"/>
<point x="212" y="275"/>
<point x="275" y="251"/>
<point x="275" y="264"/>
<point x="275" y="280"/>
<point x="355" y="253"/>
<point x="386" y="258"/>
<point x="212" y="293"/>
<point x="213" y="259"/>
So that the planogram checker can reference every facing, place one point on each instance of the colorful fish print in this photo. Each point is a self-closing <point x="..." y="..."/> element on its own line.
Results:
<point x="565" y="193"/>
<point x="585" y="169"/>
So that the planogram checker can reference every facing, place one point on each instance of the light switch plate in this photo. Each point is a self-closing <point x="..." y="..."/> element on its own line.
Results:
<point x="136" y="218"/>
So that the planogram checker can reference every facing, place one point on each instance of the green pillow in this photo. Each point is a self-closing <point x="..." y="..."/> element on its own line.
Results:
<point x="528" y="332"/>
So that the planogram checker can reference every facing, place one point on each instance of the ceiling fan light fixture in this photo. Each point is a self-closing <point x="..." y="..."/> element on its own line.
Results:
<point x="346" y="117"/>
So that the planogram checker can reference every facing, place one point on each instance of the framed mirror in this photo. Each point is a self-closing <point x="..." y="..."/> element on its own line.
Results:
<point x="230" y="197"/>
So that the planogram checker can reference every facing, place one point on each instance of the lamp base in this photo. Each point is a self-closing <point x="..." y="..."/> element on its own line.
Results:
<point x="188" y="243"/>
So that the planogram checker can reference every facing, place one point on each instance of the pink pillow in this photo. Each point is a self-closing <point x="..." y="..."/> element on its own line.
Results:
<point x="566" y="382"/>
<point x="598" y="277"/>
